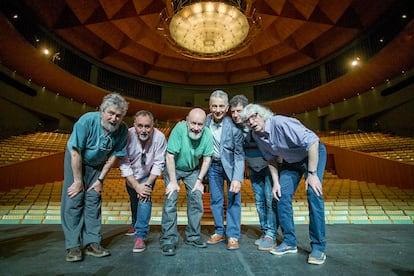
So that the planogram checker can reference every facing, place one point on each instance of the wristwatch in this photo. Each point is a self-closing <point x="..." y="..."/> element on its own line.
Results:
<point x="313" y="172"/>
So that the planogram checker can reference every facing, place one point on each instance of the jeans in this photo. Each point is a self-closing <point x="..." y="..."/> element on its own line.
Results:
<point x="141" y="213"/>
<point x="289" y="177"/>
<point x="265" y="204"/>
<point x="216" y="178"/>
<point x="195" y="210"/>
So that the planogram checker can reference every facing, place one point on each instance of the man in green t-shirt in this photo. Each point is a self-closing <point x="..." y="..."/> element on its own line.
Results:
<point x="188" y="143"/>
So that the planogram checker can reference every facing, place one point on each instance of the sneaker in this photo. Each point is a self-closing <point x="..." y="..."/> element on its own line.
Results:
<point x="267" y="243"/>
<point x="258" y="241"/>
<point x="216" y="238"/>
<point x="96" y="250"/>
<point x="131" y="230"/>
<point x="197" y="243"/>
<point x="232" y="244"/>
<point x="168" y="250"/>
<point x="283" y="249"/>
<point x="139" y="245"/>
<point x="316" y="257"/>
<point x="73" y="254"/>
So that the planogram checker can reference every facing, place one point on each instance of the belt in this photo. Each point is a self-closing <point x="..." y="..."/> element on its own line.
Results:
<point x="217" y="161"/>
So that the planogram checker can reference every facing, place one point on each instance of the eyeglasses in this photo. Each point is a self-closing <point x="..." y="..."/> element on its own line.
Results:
<point x="143" y="159"/>
<point x="251" y="117"/>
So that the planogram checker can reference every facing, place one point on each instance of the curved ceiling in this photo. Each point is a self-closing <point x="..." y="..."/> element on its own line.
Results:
<point x="123" y="34"/>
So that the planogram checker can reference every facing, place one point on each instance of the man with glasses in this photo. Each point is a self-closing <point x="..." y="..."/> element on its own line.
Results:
<point x="303" y="154"/>
<point x="227" y="165"/>
<point x="190" y="144"/>
<point x="97" y="140"/>
<point x="141" y="166"/>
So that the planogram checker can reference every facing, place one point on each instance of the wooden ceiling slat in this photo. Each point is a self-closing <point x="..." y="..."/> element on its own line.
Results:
<point x="312" y="28"/>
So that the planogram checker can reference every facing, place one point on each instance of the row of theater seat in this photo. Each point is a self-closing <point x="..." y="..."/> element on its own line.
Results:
<point x="346" y="201"/>
<point x="23" y="147"/>
<point x="383" y="145"/>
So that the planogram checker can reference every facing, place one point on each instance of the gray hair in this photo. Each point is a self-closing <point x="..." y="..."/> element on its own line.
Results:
<point x="239" y="99"/>
<point x="144" y="113"/>
<point x="114" y="100"/>
<point x="251" y="109"/>
<point x="220" y="94"/>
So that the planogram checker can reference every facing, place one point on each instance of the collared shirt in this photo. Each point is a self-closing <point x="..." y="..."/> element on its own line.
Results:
<point x="95" y="146"/>
<point x="216" y="130"/>
<point x="154" y="150"/>
<point x="285" y="137"/>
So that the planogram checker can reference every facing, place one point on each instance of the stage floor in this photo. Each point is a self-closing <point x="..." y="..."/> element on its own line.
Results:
<point x="353" y="249"/>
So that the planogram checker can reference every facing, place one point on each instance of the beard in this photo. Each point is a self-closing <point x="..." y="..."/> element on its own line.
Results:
<point x="194" y="136"/>
<point x="143" y="136"/>
<point x="109" y="126"/>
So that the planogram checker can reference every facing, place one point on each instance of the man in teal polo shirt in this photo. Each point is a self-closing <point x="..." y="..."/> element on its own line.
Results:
<point x="97" y="140"/>
<point x="189" y="142"/>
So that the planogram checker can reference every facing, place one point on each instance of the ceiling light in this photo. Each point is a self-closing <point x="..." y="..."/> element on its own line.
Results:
<point x="209" y="29"/>
<point x="356" y="61"/>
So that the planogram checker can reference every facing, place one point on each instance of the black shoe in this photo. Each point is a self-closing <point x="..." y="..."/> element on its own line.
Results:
<point x="168" y="250"/>
<point x="197" y="243"/>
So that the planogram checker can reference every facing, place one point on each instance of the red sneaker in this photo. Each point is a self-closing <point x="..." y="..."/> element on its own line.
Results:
<point x="131" y="231"/>
<point x="139" y="245"/>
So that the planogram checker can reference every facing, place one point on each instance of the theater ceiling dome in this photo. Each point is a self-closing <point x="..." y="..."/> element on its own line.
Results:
<point x="125" y="34"/>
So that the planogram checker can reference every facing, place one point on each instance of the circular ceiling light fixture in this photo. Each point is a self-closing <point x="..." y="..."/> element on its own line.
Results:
<point x="209" y="29"/>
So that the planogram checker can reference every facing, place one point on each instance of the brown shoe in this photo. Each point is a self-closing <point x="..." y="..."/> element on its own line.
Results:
<point x="232" y="244"/>
<point x="73" y="254"/>
<point x="216" y="238"/>
<point x="96" y="250"/>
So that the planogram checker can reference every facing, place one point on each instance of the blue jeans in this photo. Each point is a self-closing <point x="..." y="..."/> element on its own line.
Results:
<point x="141" y="213"/>
<point x="289" y="177"/>
<point x="216" y="178"/>
<point x="265" y="204"/>
<point x="195" y="210"/>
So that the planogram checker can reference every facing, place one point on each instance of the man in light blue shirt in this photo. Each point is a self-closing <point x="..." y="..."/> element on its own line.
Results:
<point x="302" y="154"/>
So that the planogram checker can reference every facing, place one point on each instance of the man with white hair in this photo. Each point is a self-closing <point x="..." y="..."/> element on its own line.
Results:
<point x="303" y="154"/>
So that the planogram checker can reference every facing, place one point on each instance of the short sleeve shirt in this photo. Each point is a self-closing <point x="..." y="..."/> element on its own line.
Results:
<point x="188" y="152"/>
<point x="95" y="146"/>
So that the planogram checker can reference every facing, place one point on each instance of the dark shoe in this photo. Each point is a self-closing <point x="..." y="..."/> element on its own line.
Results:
<point x="168" y="250"/>
<point x="73" y="254"/>
<point x="96" y="250"/>
<point x="197" y="243"/>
